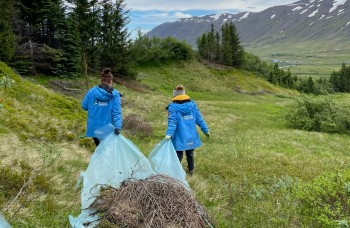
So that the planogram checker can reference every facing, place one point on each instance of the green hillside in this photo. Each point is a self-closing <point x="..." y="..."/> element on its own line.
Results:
<point x="253" y="171"/>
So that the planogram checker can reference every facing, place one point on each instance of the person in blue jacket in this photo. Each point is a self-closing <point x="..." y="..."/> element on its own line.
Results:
<point x="183" y="117"/>
<point x="103" y="105"/>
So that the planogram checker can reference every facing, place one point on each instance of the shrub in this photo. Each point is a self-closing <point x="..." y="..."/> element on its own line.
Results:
<point x="157" y="50"/>
<point x="320" y="114"/>
<point x="13" y="178"/>
<point x="325" y="202"/>
<point x="136" y="126"/>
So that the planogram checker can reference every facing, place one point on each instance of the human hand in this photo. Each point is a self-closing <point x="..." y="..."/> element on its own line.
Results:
<point x="207" y="134"/>
<point x="167" y="137"/>
<point x="117" y="131"/>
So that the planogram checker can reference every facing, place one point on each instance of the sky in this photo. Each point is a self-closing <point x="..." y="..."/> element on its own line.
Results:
<point x="147" y="14"/>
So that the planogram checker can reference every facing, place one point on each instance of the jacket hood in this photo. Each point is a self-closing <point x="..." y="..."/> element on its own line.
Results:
<point x="183" y="108"/>
<point x="182" y="97"/>
<point x="102" y="95"/>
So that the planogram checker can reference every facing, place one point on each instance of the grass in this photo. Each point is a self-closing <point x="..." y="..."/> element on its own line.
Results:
<point x="251" y="172"/>
<point x="304" y="58"/>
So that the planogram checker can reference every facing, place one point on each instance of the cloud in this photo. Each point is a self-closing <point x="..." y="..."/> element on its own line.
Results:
<point x="181" y="15"/>
<point x="184" y="5"/>
<point x="165" y="15"/>
<point x="146" y="20"/>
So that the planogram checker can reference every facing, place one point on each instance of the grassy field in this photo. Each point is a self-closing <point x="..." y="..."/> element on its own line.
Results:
<point x="253" y="171"/>
<point x="305" y="59"/>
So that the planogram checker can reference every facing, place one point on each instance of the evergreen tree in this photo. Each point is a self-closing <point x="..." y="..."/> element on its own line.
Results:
<point x="237" y="50"/>
<point x="41" y="27"/>
<point x="226" y="45"/>
<point x="83" y="14"/>
<point x="274" y="75"/>
<point x="42" y="20"/>
<point x="70" y="63"/>
<point x="211" y="44"/>
<point x="306" y="85"/>
<point x="341" y="79"/>
<point x="224" y="49"/>
<point x="7" y="37"/>
<point x="114" y="36"/>
<point x="272" y="78"/>
<point x="335" y="81"/>
<point x="345" y="72"/>
<point x="310" y="85"/>
<point x="218" y="56"/>
<point x="202" y="44"/>
<point x="288" y="79"/>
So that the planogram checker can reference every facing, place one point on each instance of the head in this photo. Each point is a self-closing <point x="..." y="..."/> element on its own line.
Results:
<point x="106" y="76"/>
<point x="179" y="90"/>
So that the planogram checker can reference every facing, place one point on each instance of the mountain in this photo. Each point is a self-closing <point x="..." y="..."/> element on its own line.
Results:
<point x="302" y="21"/>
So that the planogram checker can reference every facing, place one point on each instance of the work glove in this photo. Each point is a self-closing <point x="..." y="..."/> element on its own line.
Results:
<point x="167" y="137"/>
<point x="207" y="134"/>
<point x="117" y="131"/>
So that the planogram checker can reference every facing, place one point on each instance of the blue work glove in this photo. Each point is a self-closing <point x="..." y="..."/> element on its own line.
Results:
<point x="117" y="131"/>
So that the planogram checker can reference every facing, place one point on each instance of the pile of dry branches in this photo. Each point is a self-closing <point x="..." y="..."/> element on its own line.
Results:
<point x="158" y="201"/>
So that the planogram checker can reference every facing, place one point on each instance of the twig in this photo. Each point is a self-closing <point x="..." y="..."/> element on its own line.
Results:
<point x="18" y="194"/>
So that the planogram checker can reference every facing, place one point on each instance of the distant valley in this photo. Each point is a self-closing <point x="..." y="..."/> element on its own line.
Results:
<point x="311" y="36"/>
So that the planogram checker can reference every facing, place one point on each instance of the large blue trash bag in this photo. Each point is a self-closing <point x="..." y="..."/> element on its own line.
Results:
<point x="114" y="160"/>
<point x="104" y="131"/>
<point x="3" y="223"/>
<point x="164" y="160"/>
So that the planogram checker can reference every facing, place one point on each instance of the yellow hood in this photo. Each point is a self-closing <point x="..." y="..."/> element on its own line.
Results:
<point x="181" y="98"/>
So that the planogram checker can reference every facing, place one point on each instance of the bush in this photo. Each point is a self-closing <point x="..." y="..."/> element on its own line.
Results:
<point x="320" y="114"/>
<point x="325" y="202"/>
<point x="135" y="125"/>
<point x="14" y="177"/>
<point x="156" y="50"/>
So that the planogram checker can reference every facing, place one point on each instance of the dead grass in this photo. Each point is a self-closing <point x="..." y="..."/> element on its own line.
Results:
<point x="131" y="84"/>
<point x="12" y="148"/>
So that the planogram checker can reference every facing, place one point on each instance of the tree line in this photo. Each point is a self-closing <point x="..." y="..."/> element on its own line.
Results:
<point x="74" y="37"/>
<point x="63" y="38"/>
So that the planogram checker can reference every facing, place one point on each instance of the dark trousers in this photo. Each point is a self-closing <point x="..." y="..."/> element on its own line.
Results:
<point x="97" y="142"/>
<point x="189" y="157"/>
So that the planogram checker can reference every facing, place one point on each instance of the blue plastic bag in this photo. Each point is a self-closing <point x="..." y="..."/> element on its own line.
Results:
<point x="164" y="160"/>
<point x="3" y="223"/>
<point x="114" y="160"/>
<point x="103" y="132"/>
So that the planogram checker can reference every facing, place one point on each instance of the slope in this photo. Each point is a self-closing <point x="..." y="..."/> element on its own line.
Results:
<point x="250" y="161"/>
<point x="302" y="21"/>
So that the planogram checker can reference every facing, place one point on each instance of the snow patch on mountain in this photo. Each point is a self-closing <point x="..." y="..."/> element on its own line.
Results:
<point x="337" y="3"/>
<point x="304" y="11"/>
<point x="216" y="16"/>
<point x="297" y="8"/>
<point x="313" y="14"/>
<point x="244" y="16"/>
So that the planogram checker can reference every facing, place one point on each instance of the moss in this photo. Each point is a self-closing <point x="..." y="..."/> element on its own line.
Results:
<point x="13" y="178"/>
<point x="36" y="113"/>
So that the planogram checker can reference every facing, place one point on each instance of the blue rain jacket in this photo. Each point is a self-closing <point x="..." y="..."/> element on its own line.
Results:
<point x="103" y="108"/>
<point x="183" y="117"/>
